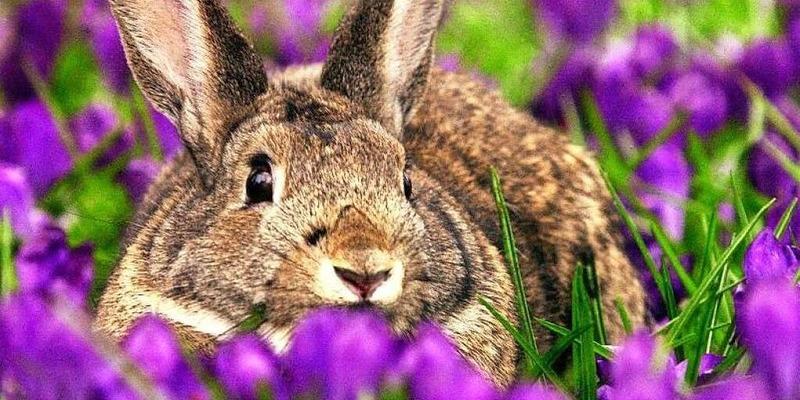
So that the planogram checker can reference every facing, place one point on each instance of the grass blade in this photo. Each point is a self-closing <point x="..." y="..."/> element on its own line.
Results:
<point x="535" y="361"/>
<point x="741" y="211"/>
<point x="671" y="302"/>
<point x="640" y="243"/>
<point x="584" y="363"/>
<point x="8" y="278"/>
<point x="562" y="344"/>
<point x="705" y="287"/>
<point x="599" y="349"/>
<point x="593" y="291"/>
<point x="666" y="245"/>
<point x="510" y="251"/>
<point x="623" y="315"/>
<point x="785" y="219"/>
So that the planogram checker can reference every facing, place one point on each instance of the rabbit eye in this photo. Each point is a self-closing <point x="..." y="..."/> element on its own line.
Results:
<point x="259" y="182"/>
<point x="407" y="185"/>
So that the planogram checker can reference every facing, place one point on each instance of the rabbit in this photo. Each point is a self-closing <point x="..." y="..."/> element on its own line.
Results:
<point x="359" y="182"/>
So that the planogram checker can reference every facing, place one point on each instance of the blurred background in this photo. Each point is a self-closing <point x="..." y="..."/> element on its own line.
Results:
<point x="691" y="106"/>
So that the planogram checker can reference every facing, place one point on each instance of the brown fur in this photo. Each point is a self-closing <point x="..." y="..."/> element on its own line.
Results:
<point x="197" y="243"/>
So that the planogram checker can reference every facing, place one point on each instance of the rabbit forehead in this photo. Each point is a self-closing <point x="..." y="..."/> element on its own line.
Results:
<point x="356" y="151"/>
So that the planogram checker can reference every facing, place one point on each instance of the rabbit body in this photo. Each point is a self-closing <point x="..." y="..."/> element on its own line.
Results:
<point x="378" y="192"/>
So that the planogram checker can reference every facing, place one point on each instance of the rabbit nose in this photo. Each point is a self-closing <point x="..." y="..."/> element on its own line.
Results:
<point x="361" y="284"/>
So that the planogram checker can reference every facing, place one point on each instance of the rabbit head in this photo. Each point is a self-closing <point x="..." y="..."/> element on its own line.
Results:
<point x="300" y="195"/>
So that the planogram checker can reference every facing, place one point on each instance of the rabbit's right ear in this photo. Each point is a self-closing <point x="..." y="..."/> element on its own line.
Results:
<point x="190" y="60"/>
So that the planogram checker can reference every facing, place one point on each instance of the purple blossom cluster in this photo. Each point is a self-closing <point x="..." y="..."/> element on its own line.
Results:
<point x="657" y="96"/>
<point x="49" y="352"/>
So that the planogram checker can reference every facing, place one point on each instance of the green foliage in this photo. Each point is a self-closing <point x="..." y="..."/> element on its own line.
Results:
<point x="495" y="37"/>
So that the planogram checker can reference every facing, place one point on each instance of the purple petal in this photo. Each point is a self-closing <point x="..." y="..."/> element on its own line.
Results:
<point x="436" y="371"/>
<point x="16" y="198"/>
<point x="577" y="20"/>
<point x="246" y="367"/>
<point x="40" y="29"/>
<point x="92" y="125"/>
<point x="666" y="177"/>
<point x="770" y="323"/>
<point x="137" y="177"/>
<point x="739" y="388"/>
<point x="573" y="75"/>
<point x="768" y="63"/>
<point x="153" y="346"/>
<point x="103" y="35"/>
<point x="654" y="50"/>
<point x="338" y="354"/>
<point x="533" y="392"/>
<point x="766" y="173"/>
<point x="298" y="36"/>
<point x="46" y="354"/>
<point x="702" y="100"/>
<point x="46" y="265"/>
<point x="638" y="373"/>
<point x="168" y="136"/>
<point x="35" y="145"/>
<point x="767" y="258"/>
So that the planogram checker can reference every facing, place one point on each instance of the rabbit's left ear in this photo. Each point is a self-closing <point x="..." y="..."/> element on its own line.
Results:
<point x="381" y="56"/>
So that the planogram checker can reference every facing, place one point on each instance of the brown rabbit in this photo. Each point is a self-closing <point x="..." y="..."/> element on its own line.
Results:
<point x="361" y="182"/>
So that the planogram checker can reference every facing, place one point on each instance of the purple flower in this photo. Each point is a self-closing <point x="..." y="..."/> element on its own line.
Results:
<point x="137" y="177"/>
<point x="46" y="265"/>
<point x="16" y="198"/>
<point x="654" y="50"/>
<point x="768" y="63"/>
<point x="91" y="127"/>
<point x="337" y="354"/>
<point x="665" y="178"/>
<point x="435" y="370"/>
<point x="579" y="21"/>
<point x="259" y="19"/>
<point x="701" y="100"/>
<point x="765" y="172"/>
<point x="638" y="372"/>
<point x="626" y="104"/>
<point x="793" y="37"/>
<point x="739" y="387"/>
<point x="298" y="36"/>
<point x="533" y="392"/>
<point x="707" y="364"/>
<point x="33" y="143"/>
<point x="39" y="26"/>
<point x="168" y="136"/>
<point x="769" y="319"/>
<point x="104" y="38"/>
<point x="574" y="74"/>
<point x="47" y="354"/>
<point x="246" y="368"/>
<point x="153" y="347"/>
<point x="767" y="258"/>
<point x="722" y="76"/>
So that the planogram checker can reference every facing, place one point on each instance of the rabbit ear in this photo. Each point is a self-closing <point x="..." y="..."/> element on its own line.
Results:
<point x="381" y="55"/>
<point x="193" y="64"/>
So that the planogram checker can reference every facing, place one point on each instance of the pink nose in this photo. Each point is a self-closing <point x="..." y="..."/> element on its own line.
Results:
<point x="361" y="284"/>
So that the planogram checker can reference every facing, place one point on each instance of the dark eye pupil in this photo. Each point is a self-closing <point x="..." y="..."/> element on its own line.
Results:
<point x="259" y="185"/>
<point x="407" y="186"/>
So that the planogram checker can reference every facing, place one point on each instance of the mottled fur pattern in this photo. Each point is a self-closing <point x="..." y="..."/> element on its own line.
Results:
<point x="201" y="256"/>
